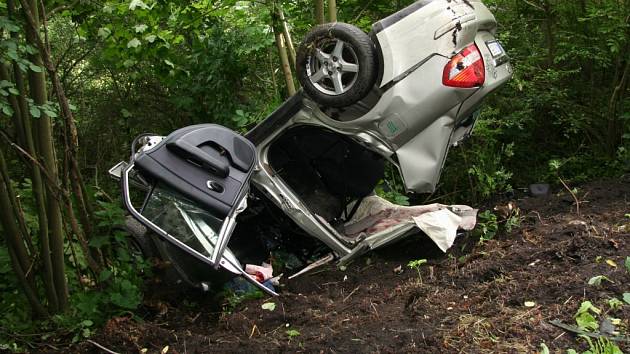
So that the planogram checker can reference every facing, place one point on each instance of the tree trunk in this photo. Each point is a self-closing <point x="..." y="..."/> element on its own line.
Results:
<point x="286" y="67"/>
<point x="332" y="10"/>
<point x="46" y="149"/>
<point x="70" y="132"/>
<point x="282" y="49"/>
<point x="615" y="130"/>
<point x="13" y="238"/>
<point x="287" y="36"/>
<point x="19" y="127"/>
<point x="319" y="12"/>
<point x="10" y="211"/>
<point x="39" y="192"/>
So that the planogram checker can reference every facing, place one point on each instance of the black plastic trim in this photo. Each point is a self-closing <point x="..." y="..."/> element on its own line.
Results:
<point x="276" y="119"/>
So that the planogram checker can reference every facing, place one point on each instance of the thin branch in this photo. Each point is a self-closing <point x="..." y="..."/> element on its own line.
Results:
<point x="534" y="5"/>
<point x="577" y="201"/>
<point x="62" y="8"/>
<point x="58" y="191"/>
<point x="101" y="347"/>
<point x="362" y="11"/>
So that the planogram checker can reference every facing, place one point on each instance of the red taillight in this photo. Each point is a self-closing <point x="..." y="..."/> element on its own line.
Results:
<point x="465" y="69"/>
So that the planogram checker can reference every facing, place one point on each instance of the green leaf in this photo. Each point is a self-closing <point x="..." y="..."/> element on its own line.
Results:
<point x="555" y="165"/>
<point x="615" y="304"/>
<point x="129" y="63"/>
<point x="293" y="333"/>
<point x="584" y="319"/>
<point x="269" y="306"/>
<point x="544" y="349"/>
<point x="150" y="38"/>
<point x="417" y="263"/>
<point x="12" y="54"/>
<point x="35" y="68"/>
<point x="35" y="112"/>
<point x="7" y="111"/>
<point x="134" y="43"/>
<point x="105" y="274"/>
<point x="51" y="113"/>
<point x="169" y="63"/>
<point x="8" y="25"/>
<point x="140" y="28"/>
<point x="30" y="49"/>
<point x="98" y="241"/>
<point x="87" y="323"/>
<point x="138" y="4"/>
<point x="597" y="280"/>
<point x="14" y="91"/>
<point x="104" y="32"/>
<point x="626" y="298"/>
<point x="108" y="9"/>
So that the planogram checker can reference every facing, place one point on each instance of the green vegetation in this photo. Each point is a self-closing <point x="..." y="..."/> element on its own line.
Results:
<point x="80" y="79"/>
<point x="598" y="279"/>
<point x="417" y="264"/>
<point x="292" y="333"/>
<point x="487" y="226"/>
<point x="567" y="101"/>
<point x="231" y="299"/>
<point x="615" y="304"/>
<point x="601" y="346"/>
<point x="585" y="317"/>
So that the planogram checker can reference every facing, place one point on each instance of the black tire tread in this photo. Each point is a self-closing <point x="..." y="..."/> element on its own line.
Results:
<point x="364" y="48"/>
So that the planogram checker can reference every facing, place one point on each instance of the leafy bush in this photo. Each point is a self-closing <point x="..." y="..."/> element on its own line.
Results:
<point x="117" y="290"/>
<point x="487" y="226"/>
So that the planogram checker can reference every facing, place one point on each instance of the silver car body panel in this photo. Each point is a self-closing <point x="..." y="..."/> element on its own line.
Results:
<point x="440" y="27"/>
<point x="415" y="120"/>
<point x="412" y="123"/>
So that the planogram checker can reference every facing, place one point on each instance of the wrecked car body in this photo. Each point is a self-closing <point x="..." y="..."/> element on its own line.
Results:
<point x="401" y="95"/>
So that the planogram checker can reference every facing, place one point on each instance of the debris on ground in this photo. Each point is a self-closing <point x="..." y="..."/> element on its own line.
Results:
<point x="474" y="302"/>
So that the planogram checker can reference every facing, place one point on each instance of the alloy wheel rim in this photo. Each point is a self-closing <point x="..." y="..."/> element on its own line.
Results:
<point x="333" y="68"/>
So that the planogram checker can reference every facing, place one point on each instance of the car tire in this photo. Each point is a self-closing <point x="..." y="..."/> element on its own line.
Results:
<point x="139" y="241"/>
<point x="336" y="64"/>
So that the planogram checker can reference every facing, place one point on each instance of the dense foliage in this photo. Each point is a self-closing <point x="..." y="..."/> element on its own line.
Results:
<point x="128" y="67"/>
<point x="567" y="103"/>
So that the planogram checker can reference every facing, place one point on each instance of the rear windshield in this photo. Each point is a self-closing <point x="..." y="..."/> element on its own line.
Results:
<point x="183" y="220"/>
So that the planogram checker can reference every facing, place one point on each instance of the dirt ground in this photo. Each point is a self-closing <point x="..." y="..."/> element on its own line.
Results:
<point x="471" y="300"/>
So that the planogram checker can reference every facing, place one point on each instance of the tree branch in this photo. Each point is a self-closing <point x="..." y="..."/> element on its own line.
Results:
<point x="62" y="8"/>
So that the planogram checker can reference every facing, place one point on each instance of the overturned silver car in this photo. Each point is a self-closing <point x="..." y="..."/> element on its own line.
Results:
<point x="402" y="94"/>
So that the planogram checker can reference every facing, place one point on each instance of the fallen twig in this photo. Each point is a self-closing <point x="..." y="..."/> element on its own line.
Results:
<point x="374" y="308"/>
<point x="539" y="218"/>
<point x="353" y="291"/>
<point x="101" y="347"/>
<point x="254" y="329"/>
<point x="577" y="201"/>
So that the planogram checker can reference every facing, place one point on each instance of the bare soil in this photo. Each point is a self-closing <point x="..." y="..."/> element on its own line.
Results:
<point x="471" y="300"/>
